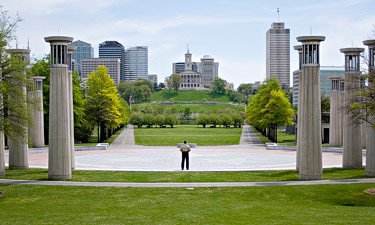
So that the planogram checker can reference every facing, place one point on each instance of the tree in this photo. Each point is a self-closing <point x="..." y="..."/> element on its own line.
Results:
<point x="237" y="120"/>
<point x="246" y="89"/>
<point x="215" y="120"/>
<point x="136" y="118"/>
<point x="171" y="120"/>
<point x="226" y="120"/>
<point x="325" y="103"/>
<point x="218" y="85"/>
<point x="174" y="82"/>
<point x="140" y="82"/>
<point x="160" y="120"/>
<point x="146" y="92"/>
<point x="103" y="105"/>
<point x="203" y="120"/>
<point x="187" y="113"/>
<point x="148" y="119"/>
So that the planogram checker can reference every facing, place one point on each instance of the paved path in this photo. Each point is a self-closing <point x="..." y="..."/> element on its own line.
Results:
<point x="126" y="138"/>
<point x="248" y="137"/>
<point x="188" y="185"/>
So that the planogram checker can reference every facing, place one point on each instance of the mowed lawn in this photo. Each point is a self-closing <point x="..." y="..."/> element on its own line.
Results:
<point x="188" y="96"/>
<point x="193" y="134"/>
<point x="314" y="204"/>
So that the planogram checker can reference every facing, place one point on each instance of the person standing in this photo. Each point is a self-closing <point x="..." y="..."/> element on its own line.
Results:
<point x="185" y="149"/>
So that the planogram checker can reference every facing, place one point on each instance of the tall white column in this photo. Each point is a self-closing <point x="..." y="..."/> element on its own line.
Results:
<point x="60" y="147"/>
<point x="17" y="144"/>
<point x="336" y="119"/>
<point x="71" y="49"/>
<point x="370" y="140"/>
<point x="299" y="49"/>
<point x="36" y="131"/>
<point x="309" y="107"/>
<point x="352" y="152"/>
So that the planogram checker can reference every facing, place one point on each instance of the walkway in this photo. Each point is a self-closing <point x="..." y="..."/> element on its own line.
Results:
<point x="188" y="185"/>
<point x="124" y="155"/>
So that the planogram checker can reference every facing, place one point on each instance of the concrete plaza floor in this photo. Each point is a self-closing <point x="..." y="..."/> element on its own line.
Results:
<point x="124" y="155"/>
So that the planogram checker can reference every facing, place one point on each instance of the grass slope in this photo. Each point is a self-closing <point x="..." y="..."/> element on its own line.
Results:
<point x="188" y="96"/>
<point x="316" y="204"/>
<point x="193" y="134"/>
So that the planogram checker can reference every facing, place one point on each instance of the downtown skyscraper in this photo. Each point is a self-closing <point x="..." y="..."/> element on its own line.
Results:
<point x="113" y="49"/>
<point x="84" y="51"/>
<point x="278" y="54"/>
<point x="136" y="63"/>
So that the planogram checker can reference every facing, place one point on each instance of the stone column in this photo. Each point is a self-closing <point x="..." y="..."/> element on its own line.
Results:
<point x="18" y="146"/>
<point x="335" y="125"/>
<point x="370" y="140"/>
<point x="60" y="147"/>
<point x="71" y="49"/>
<point x="299" y="49"/>
<point x="352" y="128"/>
<point x="36" y="132"/>
<point x="2" y="144"/>
<point x="309" y="107"/>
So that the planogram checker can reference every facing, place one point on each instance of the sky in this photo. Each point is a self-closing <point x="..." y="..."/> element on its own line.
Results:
<point x="231" y="31"/>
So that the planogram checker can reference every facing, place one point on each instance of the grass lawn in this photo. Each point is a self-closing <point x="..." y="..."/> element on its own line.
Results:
<point x="316" y="204"/>
<point x="194" y="108"/>
<point x="188" y="96"/>
<point x="193" y="134"/>
<point x="152" y="177"/>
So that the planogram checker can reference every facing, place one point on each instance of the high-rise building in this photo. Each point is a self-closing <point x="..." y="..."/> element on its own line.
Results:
<point x="84" y="51"/>
<point x="113" y="49"/>
<point x="209" y="69"/>
<point x="136" y="63"/>
<point x="153" y="78"/>
<point x="278" y="54"/>
<point x="112" y="64"/>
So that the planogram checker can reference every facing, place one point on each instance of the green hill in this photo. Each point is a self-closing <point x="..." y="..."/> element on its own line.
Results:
<point x="188" y="96"/>
<point x="195" y="108"/>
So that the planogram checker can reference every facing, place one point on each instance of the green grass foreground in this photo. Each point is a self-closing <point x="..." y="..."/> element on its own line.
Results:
<point x="188" y="96"/>
<point x="193" y="134"/>
<point x="315" y="204"/>
<point x="153" y="177"/>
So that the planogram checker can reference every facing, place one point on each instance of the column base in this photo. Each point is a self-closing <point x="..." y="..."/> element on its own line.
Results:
<point x="59" y="177"/>
<point x="353" y="167"/>
<point x="370" y="173"/>
<point x="2" y="174"/>
<point x="310" y="177"/>
<point x="18" y="167"/>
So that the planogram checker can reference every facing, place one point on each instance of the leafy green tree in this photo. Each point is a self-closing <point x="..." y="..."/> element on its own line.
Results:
<point x="138" y="94"/>
<point x="203" y="120"/>
<point x="171" y="120"/>
<point x="103" y="105"/>
<point x="259" y="102"/>
<point x="160" y="120"/>
<point x="246" y="89"/>
<point x="215" y="120"/>
<point x="136" y="118"/>
<point x="125" y="90"/>
<point x="237" y="120"/>
<point x="174" y="82"/>
<point x="325" y="103"/>
<point x="277" y="111"/>
<point x="148" y="119"/>
<point x="146" y="92"/>
<point x="140" y="82"/>
<point x="226" y="120"/>
<point x="218" y="85"/>
<point x="187" y="113"/>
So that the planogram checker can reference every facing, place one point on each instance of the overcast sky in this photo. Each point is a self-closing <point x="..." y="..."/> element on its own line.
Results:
<point x="231" y="31"/>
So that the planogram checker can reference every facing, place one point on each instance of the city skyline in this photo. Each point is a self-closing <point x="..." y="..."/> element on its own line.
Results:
<point x="231" y="31"/>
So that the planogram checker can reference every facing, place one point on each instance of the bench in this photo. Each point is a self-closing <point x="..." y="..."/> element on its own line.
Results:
<point x="192" y="145"/>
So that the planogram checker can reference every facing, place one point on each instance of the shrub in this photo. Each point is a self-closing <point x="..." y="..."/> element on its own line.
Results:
<point x="203" y="120"/>
<point x="171" y="120"/>
<point x="215" y="120"/>
<point x="137" y="119"/>
<point x="160" y="120"/>
<point x="237" y="119"/>
<point x="226" y="120"/>
<point x="148" y="120"/>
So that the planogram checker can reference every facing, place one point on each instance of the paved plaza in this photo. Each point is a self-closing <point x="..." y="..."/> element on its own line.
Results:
<point x="124" y="155"/>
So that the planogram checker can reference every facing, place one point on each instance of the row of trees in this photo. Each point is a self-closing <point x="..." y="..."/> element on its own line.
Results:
<point x="225" y="119"/>
<point x="140" y="119"/>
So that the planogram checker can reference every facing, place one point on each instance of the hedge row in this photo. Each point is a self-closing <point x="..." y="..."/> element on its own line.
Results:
<point x="224" y="119"/>
<point x="149" y="120"/>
